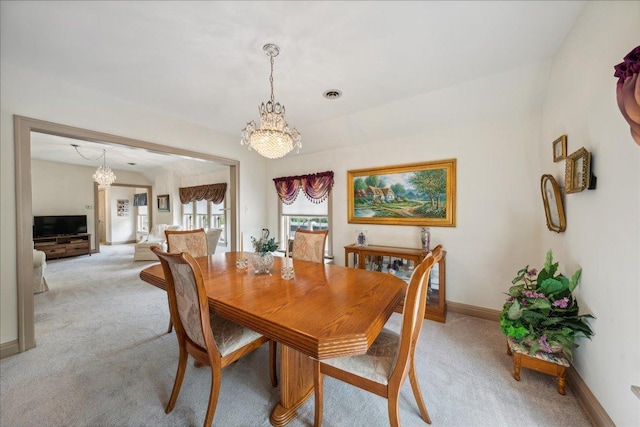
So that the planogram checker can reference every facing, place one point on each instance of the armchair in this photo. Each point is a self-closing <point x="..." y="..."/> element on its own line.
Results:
<point x="156" y="237"/>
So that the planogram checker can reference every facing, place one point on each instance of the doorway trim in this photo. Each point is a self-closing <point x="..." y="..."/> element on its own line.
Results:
<point x="22" y="128"/>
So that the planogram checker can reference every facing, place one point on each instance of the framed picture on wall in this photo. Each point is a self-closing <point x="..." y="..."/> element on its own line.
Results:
<point x="560" y="148"/>
<point x="123" y="207"/>
<point x="163" y="203"/>
<point x="421" y="194"/>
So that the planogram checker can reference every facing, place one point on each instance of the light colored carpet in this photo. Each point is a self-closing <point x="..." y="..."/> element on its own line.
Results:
<point x="103" y="358"/>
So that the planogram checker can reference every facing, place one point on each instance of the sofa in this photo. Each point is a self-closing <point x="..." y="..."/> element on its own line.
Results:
<point x="155" y="237"/>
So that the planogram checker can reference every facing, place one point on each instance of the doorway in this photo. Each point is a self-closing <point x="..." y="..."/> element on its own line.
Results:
<point x="23" y="126"/>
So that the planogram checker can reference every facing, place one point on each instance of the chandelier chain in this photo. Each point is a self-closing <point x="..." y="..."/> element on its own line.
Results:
<point x="87" y="158"/>
<point x="271" y="79"/>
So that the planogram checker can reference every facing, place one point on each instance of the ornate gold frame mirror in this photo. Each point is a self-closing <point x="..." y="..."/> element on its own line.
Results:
<point x="552" y="200"/>
<point x="577" y="171"/>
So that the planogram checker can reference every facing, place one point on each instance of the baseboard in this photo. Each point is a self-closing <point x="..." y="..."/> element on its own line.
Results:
<point x="589" y="403"/>
<point x="472" y="310"/>
<point x="9" y="349"/>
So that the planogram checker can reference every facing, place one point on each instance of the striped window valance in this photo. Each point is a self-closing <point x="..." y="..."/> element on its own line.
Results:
<point x="315" y="186"/>
<point x="211" y="192"/>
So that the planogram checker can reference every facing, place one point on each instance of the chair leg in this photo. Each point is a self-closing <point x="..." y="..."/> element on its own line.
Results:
<point x="182" y="365"/>
<point x="170" y="327"/>
<point x="318" y="383"/>
<point x="417" y="394"/>
<point x="213" y="396"/>
<point x="394" y="409"/>
<point x="273" y="361"/>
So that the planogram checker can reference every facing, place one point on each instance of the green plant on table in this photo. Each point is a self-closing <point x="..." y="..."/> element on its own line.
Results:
<point x="264" y="244"/>
<point x="541" y="312"/>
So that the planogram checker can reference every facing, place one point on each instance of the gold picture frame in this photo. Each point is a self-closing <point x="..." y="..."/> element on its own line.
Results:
<point x="560" y="148"/>
<point x="422" y="194"/>
<point x="577" y="171"/>
<point x="552" y="201"/>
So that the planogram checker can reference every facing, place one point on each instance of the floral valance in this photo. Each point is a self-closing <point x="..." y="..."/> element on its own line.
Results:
<point x="315" y="186"/>
<point x="211" y="192"/>
<point x="628" y="91"/>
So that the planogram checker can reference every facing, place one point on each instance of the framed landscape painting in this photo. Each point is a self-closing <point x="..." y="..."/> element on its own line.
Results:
<point x="422" y="194"/>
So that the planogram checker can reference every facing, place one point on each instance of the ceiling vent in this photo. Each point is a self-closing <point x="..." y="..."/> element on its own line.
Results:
<point x="332" y="94"/>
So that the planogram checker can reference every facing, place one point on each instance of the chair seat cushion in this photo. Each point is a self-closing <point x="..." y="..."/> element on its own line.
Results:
<point x="377" y="363"/>
<point x="230" y="336"/>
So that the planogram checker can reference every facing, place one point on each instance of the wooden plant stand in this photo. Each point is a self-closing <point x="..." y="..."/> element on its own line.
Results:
<point x="551" y="364"/>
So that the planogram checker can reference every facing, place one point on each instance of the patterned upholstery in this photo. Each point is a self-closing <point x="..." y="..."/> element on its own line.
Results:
<point x="228" y="336"/>
<point x="379" y="361"/>
<point x="194" y="242"/>
<point x="187" y="300"/>
<point x="557" y="358"/>
<point x="309" y="245"/>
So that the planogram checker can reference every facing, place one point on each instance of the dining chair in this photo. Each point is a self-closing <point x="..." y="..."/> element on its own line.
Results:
<point x="388" y="361"/>
<point x="309" y="245"/>
<point x="194" y="242"/>
<point x="210" y="339"/>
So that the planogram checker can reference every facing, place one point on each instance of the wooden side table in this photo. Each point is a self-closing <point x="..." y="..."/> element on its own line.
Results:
<point x="551" y="364"/>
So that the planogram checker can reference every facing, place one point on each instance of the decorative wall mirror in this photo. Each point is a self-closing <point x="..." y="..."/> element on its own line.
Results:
<point x="577" y="171"/>
<point x="552" y="201"/>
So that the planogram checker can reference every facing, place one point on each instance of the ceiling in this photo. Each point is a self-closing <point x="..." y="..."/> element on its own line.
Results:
<point x="203" y="61"/>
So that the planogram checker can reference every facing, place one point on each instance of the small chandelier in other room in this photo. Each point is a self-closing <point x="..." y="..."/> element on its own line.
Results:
<point x="273" y="139"/>
<point x="104" y="176"/>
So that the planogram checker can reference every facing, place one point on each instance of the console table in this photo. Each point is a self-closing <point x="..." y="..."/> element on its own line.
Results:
<point x="64" y="246"/>
<point x="401" y="262"/>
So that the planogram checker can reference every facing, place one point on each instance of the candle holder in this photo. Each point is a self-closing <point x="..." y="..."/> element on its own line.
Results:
<point x="241" y="263"/>
<point x="288" y="273"/>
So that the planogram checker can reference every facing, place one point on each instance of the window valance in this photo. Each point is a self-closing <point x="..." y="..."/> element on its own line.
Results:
<point x="140" y="199"/>
<point x="315" y="186"/>
<point x="211" y="192"/>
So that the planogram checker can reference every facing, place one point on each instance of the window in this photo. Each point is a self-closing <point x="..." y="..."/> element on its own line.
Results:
<point x="304" y="214"/>
<point x="205" y="214"/>
<point x="142" y="219"/>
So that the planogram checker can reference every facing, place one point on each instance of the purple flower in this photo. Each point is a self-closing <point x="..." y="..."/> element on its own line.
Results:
<point x="524" y="302"/>
<point x="562" y="303"/>
<point x="510" y="299"/>
<point x="534" y="294"/>
<point x="544" y="345"/>
<point x="532" y="272"/>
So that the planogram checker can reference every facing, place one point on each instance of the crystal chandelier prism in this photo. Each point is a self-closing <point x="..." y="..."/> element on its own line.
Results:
<point x="273" y="139"/>
<point x="104" y="176"/>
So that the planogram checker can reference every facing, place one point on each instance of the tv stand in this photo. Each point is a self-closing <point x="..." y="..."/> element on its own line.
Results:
<point x="64" y="245"/>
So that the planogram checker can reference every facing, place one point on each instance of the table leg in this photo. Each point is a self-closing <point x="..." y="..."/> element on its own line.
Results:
<point x="296" y="384"/>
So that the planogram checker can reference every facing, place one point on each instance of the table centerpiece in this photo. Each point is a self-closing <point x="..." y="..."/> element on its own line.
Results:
<point x="262" y="259"/>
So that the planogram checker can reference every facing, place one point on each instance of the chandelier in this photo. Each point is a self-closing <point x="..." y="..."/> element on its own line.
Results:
<point x="104" y="176"/>
<point x="273" y="139"/>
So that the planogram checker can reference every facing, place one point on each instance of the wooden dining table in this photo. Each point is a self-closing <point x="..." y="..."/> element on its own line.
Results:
<point x="325" y="311"/>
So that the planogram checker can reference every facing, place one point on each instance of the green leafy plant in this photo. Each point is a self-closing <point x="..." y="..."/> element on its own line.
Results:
<point x="542" y="313"/>
<point x="264" y="244"/>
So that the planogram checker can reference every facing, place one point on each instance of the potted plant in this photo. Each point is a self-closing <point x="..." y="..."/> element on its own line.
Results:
<point x="262" y="256"/>
<point x="541" y="312"/>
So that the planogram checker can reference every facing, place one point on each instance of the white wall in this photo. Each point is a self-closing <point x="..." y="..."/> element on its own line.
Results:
<point x="603" y="225"/>
<point x="122" y="229"/>
<point x="34" y="95"/>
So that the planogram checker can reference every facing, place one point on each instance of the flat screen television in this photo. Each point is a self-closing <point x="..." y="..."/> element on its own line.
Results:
<point x="59" y="225"/>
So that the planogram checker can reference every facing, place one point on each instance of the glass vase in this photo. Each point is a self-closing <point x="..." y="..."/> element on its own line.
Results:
<point x="262" y="262"/>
